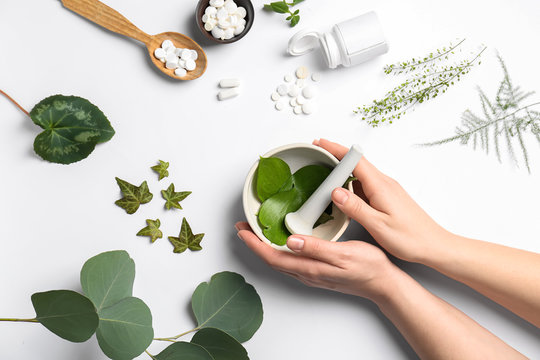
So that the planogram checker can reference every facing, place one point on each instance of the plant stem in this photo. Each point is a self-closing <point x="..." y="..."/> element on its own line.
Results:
<point x="13" y="101"/>
<point x="430" y="59"/>
<point x="18" y="320"/>
<point x="151" y="356"/>
<point x="173" y="338"/>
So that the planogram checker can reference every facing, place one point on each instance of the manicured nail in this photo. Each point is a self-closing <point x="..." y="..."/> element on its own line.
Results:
<point x="240" y="236"/>
<point x="295" y="244"/>
<point x="340" y="196"/>
<point x="236" y="227"/>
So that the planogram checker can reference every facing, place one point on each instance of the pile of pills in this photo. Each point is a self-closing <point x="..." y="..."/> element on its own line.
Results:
<point x="297" y="93"/>
<point x="224" y="19"/>
<point x="178" y="59"/>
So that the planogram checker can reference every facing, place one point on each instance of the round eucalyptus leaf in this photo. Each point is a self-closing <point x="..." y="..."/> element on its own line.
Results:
<point x="66" y="313"/>
<point x="108" y="278"/>
<point x="220" y="345"/>
<point x="125" y="329"/>
<point x="184" y="351"/>
<point x="229" y="304"/>
<point x="72" y="128"/>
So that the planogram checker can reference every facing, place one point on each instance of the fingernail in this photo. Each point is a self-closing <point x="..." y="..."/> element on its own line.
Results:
<point x="236" y="227"/>
<point x="295" y="244"/>
<point x="340" y="196"/>
<point x="240" y="236"/>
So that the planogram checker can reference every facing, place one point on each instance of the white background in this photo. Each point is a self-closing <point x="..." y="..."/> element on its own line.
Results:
<point x="54" y="217"/>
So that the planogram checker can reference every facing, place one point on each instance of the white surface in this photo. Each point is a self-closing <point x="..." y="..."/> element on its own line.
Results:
<point x="55" y="217"/>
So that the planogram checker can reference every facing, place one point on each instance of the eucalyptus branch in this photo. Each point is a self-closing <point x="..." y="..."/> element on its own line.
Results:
<point x="173" y="338"/>
<point x="16" y="103"/>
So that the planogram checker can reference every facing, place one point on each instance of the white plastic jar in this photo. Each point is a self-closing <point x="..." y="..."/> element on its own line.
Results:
<point x="350" y="42"/>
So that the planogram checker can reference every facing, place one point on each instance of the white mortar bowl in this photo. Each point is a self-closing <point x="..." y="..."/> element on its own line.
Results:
<point x="296" y="156"/>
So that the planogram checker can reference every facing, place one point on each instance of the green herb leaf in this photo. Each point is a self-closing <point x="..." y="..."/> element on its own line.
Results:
<point x="323" y="219"/>
<point x="152" y="230"/>
<point x="280" y="7"/>
<point x="272" y="173"/>
<point x="293" y="194"/>
<point x="133" y="195"/>
<point x="72" y="128"/>
<point x="108" y="278"/>
<point x="186" y="239"/>
<point x="220" y="345"/>
<point x="295" y="19"/>
<point x="296" y="2"/>
<point x="227" y="296"/>
<point x="182" y="350"/>
<point x="172" y="198"/>
<point x="125" y="329"/>
<point x="66" y="313"/>
<point x="161" y="169"/>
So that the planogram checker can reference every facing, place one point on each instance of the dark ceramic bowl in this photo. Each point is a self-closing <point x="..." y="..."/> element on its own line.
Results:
<point x="250" y="14"/>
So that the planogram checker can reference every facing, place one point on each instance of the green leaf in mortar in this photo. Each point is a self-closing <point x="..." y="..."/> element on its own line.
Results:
<point x="220" y="345"/>
<point x="273" y="211"/>
<point x="229" y="304"/>
<point x="66" y="313"/>
<point x="182" y="350"/>
<point x="272" y="173"/>
<point x="72" y="128"/>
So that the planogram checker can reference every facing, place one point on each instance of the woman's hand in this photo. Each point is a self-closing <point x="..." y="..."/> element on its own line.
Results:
<point x="386" y="211"/>
<point x="352" y="267"/>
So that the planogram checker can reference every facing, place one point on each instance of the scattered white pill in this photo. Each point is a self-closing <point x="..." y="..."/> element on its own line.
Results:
<point x="190" y="65"/>
<point x="217" y="3"/>
<point x="280" y="105"/>
<point x="241" y="12"/>
<point x="172" y="64"/>
<point x="233" y="20"/>
<point x="222" y="14"/>
<point x="224" y="23"/>
<point x="194" y="54"/>
<point x="316" y="77"/>
<point x="228" y="83"/>
<point x="218" y="33"/>
<point x="275" y="96"/>
<point x="186" y="54"/>
<point x="160" y="54"/>
<point x="180" y="72"/>
<point x="293" y="102"/>
<point x="231" y="7"/>
<point x="302" y="72"/>
<point x="300" y="83"/>
<point x="210" y="11"/>
<point x="309" y="92"/>
<point x="171" y="57"/>
<point x="294" y="91"/>
<point x="209" y="26"/>
<point x="300" y="100"/>
<point x="182" y="63"/>
<point x="205" y="18"/>
<point x="308" y="108"/>
<point x="229" y="34"/>
<point x="288" y="78"/>
<point x="239" y="29"/>
<point x="166" y="44"/>
<point x="282" y="89"/>
<point x="228" y="93"/>
<point x="297" y="109"/>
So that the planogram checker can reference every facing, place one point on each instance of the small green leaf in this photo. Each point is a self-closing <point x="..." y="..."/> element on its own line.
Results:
<point x="66" y="313"/>
<point x="296" y="2"/>
<point x="72" y="128"/>
<point x="272" y="173"/>
<point x="152" y="230"/>
<point x="161" y="169"/>
<point x="226" y="297"/>
<point x="186" y="239"/>
<point x="134" y="196"/>
<point x="323" y="219"/>
<point x="108" y="278"/>
<point x="172" y="198"/>
<point x="182" y="350"/>
<point x="220" y="345"/>
<point x="295" y="20"/>
<point x="125" y="329"/>
<point x="280" y="7"/>
<point x="267" y="7"/>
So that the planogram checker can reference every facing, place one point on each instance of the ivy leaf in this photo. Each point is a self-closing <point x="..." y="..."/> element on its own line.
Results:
<point x="161" y="169"/>
<point x="72" y="128"/>
<point x="152" y="230"/>
<point x="133" y="195"/>
<point x="280" y="7"/>
<point x="67" y="314"/>
<point x="220" y="345"/>
<point x="272" y="173"/>
<point x="172" y="198"/>
<point x="295" y="19"/>
<point x="182" y="350"/>
<point x="225" y="297"/>
<point x="186" y="239"/>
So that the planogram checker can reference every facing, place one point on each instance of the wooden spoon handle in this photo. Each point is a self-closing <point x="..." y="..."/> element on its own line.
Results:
<point x="110" y="19"/>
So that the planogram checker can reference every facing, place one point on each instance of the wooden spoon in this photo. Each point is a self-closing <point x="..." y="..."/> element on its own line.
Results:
<point x="112" y="20"/>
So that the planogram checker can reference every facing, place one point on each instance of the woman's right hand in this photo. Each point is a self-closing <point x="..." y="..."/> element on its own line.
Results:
<point x="386" y="211"/>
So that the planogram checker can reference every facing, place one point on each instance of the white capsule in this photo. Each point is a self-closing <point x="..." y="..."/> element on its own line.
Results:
<point x="239" y="29"/>
<point x="293" y="102"/>
<point x="160" y="53"/>
<point x="194" y="54"/>
<point x="190" y="65"/>
<point x="229" y="34"/>
<point x="186" y="54"/>
<point x="282" y="89"/>
<point x="288" y="78"/>
<point x="309" y="92"/>
<point x="275" y="96"/>
<point x="217" y="32"/>
<point x="209" y="26"/>
<point x="172" y="64"/>
<point x="228" y="83"/>
<point x="224" y="24"/>
<point x="294" y="91"/>
<point x="300" y="100"/>
<point x="302" y="72"/>
<point x="228" y="93"/>
<point x="222" y="14"/>
<point x="180" y="72"/>
<point x="241" y="11"/>
<point x="231" y="7"/>
<point x="210" y="11"/>
<point x="280" y="104"/>
<point x="316" y="77"/>
<point x="297" y="109"/>
<point x="166" y="44"/>
<point x="300" y="83"/>
<point x="308" y="107"/>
